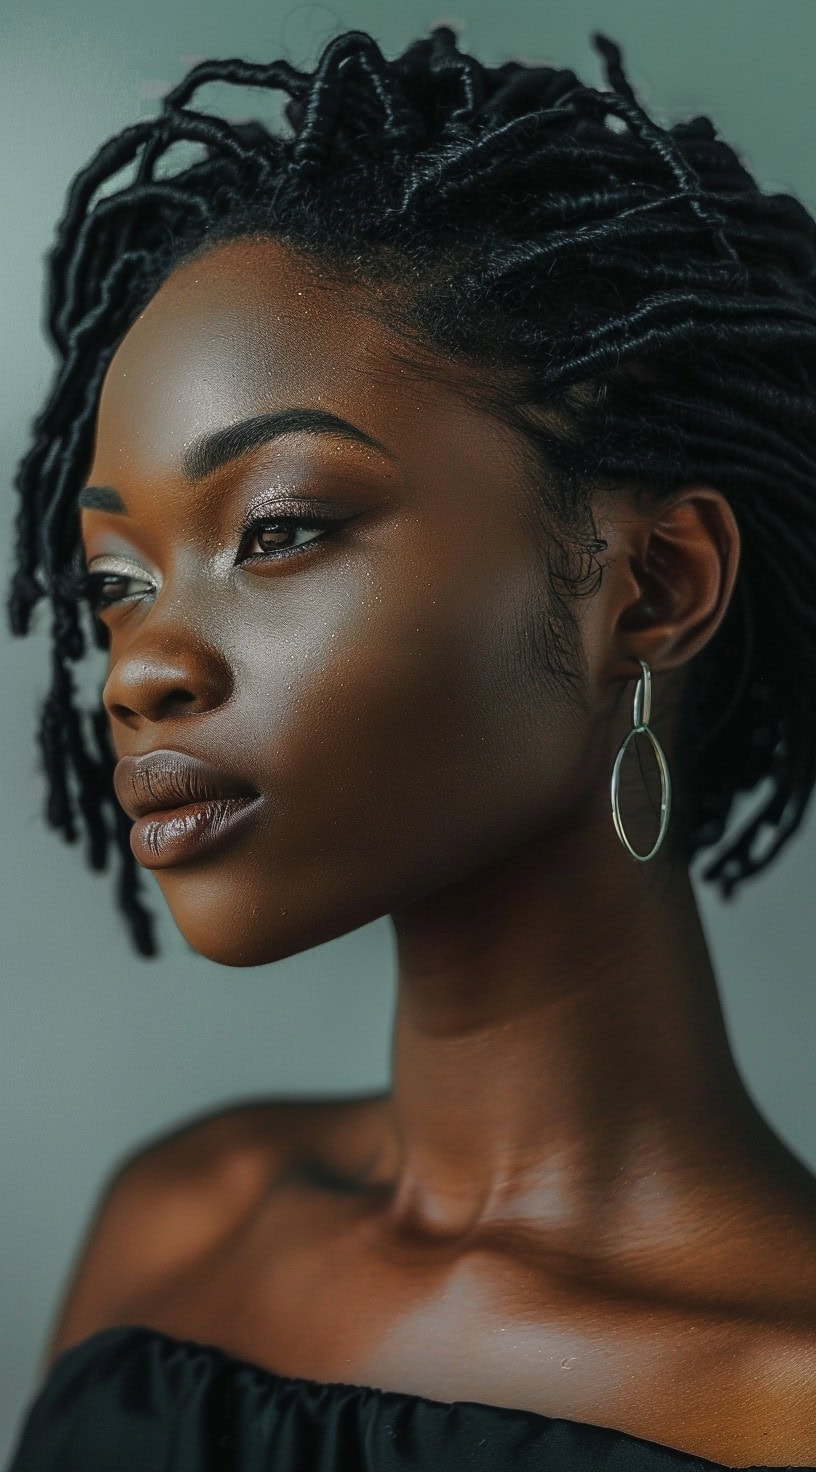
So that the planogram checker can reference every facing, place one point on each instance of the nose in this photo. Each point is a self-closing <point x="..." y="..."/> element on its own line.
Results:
<point x="165" y="677"/>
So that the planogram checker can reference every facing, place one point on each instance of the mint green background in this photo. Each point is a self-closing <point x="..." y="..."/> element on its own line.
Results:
<point x="99" y="1050"/>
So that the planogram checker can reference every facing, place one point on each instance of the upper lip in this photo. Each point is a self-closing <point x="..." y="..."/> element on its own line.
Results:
<point x="166" y="779"/>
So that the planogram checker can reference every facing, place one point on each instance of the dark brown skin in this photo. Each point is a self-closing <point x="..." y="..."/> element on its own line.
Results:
<point x="567" y="1203"/>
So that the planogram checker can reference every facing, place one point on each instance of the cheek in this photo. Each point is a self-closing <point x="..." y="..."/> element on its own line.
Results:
<point x="403" y="748"/>
<point x="369" y="724"/>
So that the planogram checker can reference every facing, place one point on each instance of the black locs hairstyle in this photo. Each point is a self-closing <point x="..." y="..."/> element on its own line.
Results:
<point x="634" y="279"/>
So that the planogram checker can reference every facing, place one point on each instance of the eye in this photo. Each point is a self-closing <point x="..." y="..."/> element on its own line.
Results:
<point x="92" y="587"/>
<point x="108" y="588"/>
<point x="261" y="529"/>
<point x="101" y="589"/>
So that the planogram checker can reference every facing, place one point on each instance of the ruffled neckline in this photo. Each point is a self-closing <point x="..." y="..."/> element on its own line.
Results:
<point x="277" y="1380"/>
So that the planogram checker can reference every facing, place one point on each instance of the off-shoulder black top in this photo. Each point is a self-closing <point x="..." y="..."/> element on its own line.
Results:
<point x="134" y="1399"/>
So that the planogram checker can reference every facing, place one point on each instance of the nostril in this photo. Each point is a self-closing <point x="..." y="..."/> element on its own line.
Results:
<point x="178" y="696"/>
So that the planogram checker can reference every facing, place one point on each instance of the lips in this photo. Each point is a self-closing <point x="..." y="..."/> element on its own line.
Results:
<point x="163" y="780"/>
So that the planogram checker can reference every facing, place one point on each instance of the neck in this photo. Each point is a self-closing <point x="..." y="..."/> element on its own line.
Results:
<point x="557" y="1058"/>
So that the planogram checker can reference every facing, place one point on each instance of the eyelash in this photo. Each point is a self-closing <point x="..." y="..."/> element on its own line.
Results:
<point x="80" y="585"/>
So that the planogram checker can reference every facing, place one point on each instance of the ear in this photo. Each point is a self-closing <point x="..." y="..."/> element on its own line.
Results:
<point x="675" y="572"/>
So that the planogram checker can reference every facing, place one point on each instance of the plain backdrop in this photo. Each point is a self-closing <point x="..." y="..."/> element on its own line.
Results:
<point x="101" y="1049"/>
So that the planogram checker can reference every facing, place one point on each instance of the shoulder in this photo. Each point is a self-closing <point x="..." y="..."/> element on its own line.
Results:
<point x="178" y="1194"/>
<point x="773" y="1394"/>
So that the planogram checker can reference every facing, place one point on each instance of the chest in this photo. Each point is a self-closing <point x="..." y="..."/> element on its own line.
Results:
<point x="310" y="1286"/>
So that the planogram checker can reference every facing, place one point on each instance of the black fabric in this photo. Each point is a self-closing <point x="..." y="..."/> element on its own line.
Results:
<point x="132" y="1399"/>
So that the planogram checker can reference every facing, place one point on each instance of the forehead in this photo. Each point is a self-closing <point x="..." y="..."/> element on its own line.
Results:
<point x="251" y="326"/>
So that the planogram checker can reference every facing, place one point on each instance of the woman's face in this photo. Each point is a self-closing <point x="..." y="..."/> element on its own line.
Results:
<point x="376" y="687"/>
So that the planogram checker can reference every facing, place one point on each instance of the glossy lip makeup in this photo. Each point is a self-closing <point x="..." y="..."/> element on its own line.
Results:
<point x="167" y="836"/>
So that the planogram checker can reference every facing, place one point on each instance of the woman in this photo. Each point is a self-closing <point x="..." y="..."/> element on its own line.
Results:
<point x="439" y="480"/>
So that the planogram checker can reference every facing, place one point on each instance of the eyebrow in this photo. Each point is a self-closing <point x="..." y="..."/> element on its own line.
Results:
<point x="211" y="451"/>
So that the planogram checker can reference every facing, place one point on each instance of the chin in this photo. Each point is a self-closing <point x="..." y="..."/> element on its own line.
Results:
<point x="250" y="914"/>
<point x="224" y="953"/>
<point x="241" y="926"/>
<point x="228" y="928"/>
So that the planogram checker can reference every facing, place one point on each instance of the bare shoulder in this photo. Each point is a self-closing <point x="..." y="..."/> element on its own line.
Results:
<point x="774" y="1389"/>
<point x="177" y="1194"/>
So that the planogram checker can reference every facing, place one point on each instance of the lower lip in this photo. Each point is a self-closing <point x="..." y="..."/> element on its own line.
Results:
<point x="174" y="835"/>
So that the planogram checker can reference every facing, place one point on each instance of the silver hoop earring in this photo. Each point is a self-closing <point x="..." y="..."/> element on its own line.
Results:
<point x="641" y="712"/>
